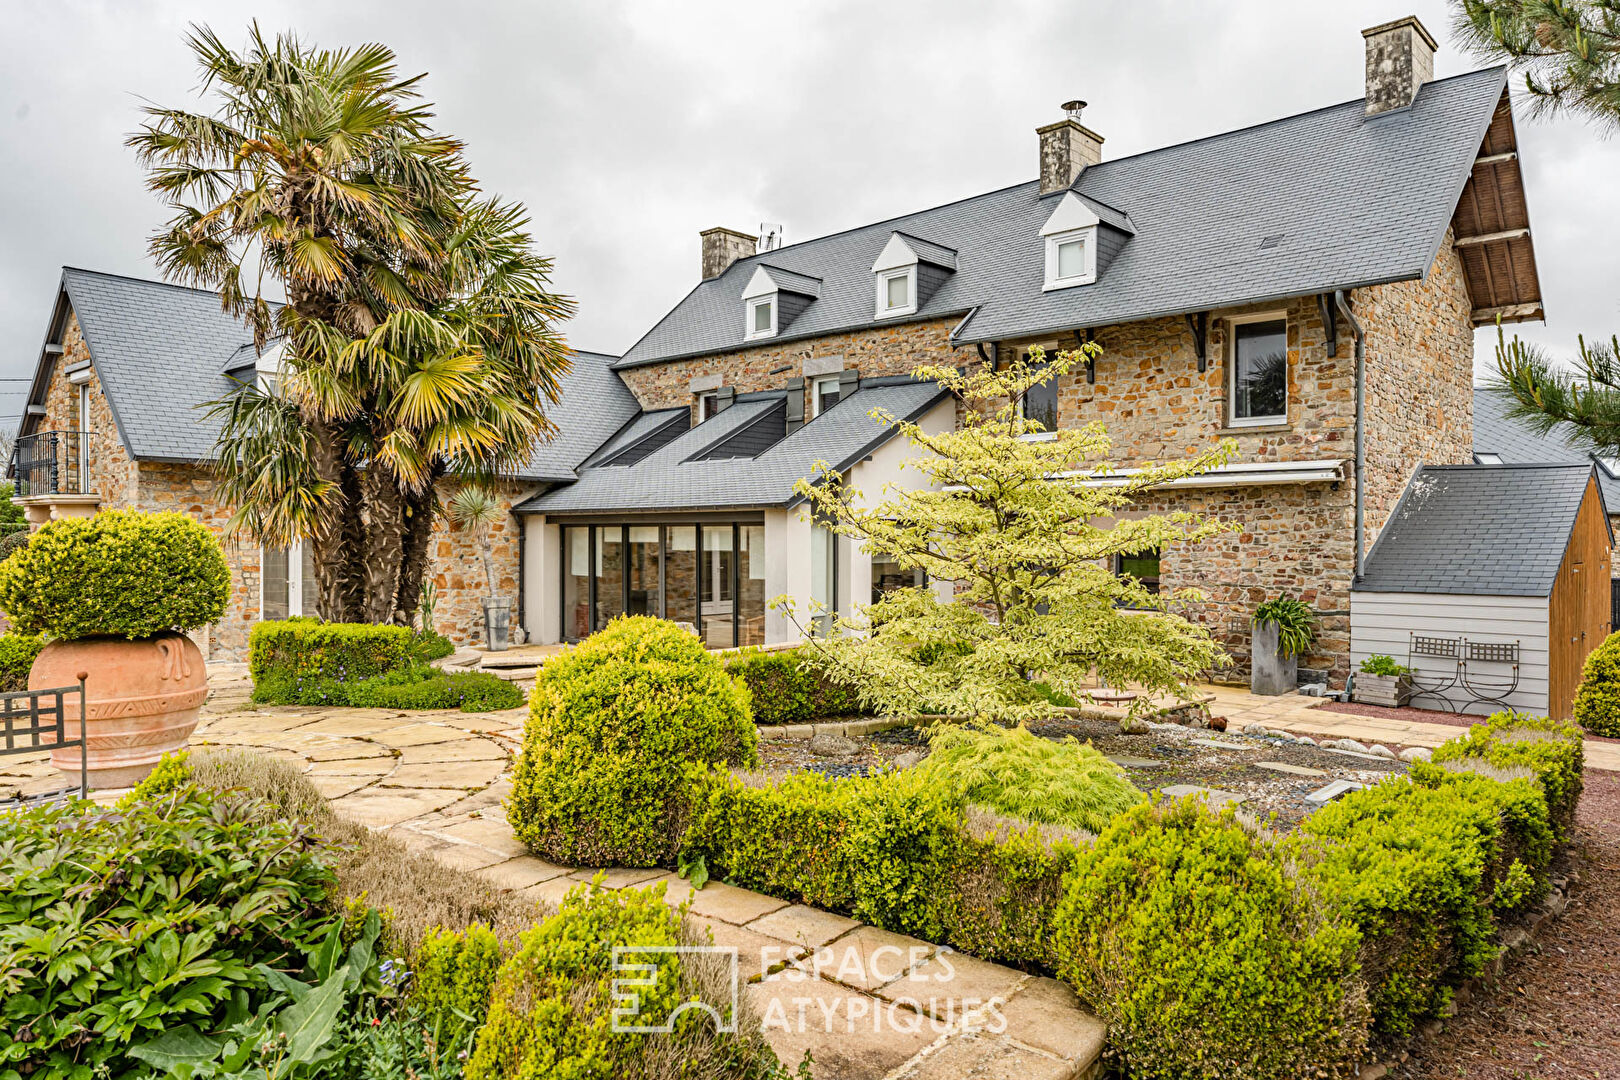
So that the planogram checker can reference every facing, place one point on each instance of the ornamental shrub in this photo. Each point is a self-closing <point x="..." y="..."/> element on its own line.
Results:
<point x="298" y="652"/>
<point x="118" y="925"/>
<point x="1022" y="775"/>
<point x="619" y="727"/>
<point x="1552" y="749"/>
<point x="120" y="573"/>
<point x="453" y="974"/>
<point x="554" y="1001"/>
<point x="787" y="688"/>
<point x="1208" y="956"/>
<point x="17" y="653"/>
<point x="1597" y="699"/>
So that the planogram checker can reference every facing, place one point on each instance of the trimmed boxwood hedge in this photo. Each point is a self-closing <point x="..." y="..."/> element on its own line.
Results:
<point x="17" y="653"/>
<point x="301" y="650"/>
<point x="120" y="573"/>
<point x="1597" y="699"/>
<point x="1552" y="749"/>
<point x="785" y="687"/>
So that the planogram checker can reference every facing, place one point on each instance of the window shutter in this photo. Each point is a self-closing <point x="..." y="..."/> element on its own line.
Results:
<point x="795" y="404"/>
<point x="849" y="381"/>
<point x="724" y="398"/>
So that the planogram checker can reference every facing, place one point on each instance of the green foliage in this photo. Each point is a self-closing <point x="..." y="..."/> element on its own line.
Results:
<point x="553" y="1000"/>
<point x="17" y="653"/>
<point x="116" y="926"/>
<point x="173" y="772"/>
<point x="1567" y="50"/>
<point x="1295" y="622"/>
<point x="414" y="687"/>
<point x="1597" y="700"/>
<point x="292" y="654"/>
<point x="1379" y="664"/>
<point x="1022" y="775"/>
<point x="1208" y="957"/>
<point x="617" y="726"/>
<point x="1028" y="542"/>
<point x="787" y="687"/>
<point x="1552" y="749"/>
<point x="1421" y="864"/>
<point x="10" y="513"/>
<point x="454" y="973"/>
<point x="428" y="646"/>
<point x="119" y="573"/>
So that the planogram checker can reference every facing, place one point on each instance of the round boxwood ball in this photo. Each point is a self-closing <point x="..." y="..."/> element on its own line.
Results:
<point x="619" y="728"/>
<point x="1597" y="702"/>
<point x="120" y="573"/>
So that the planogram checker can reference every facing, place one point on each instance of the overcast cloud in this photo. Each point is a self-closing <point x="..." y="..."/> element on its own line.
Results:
<point x="628" y="127"/>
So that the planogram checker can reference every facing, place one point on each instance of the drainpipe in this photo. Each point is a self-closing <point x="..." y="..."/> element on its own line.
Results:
<point x="1341" y="300"/>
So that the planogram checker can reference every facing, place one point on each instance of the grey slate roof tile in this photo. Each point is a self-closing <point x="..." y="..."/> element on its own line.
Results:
<point x="1495" y="432"/>
<point x="1481" y="530"/>
<point x="1356" y="202"/>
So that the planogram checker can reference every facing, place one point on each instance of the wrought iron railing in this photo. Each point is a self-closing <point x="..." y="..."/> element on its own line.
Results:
<point x="53" y="463"/>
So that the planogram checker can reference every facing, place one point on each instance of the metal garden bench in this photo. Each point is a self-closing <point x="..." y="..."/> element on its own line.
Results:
<point x="1442" y="672"/>
<point x="1478" y="679"/>
<point x="36" y="720"/>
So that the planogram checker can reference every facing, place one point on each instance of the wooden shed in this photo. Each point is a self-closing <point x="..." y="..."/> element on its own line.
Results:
<point x="1492" y="583"/>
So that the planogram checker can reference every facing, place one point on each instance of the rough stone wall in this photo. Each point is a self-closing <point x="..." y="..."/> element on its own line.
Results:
<point x="888" y="350"/>
<point x="111" y="472"/>
<point x="1420" y="380"/>
<point x="454" y="565"/>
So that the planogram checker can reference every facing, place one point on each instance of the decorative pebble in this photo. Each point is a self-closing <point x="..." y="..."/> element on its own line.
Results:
<point x="1416" y="753"/>
<point x="1381" y="750"/>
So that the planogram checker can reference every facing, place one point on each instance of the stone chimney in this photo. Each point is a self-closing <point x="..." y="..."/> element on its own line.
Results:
<point x="1400" y="59"/>
<point x="722" y="247"/>
<point x="1067" y="147"/>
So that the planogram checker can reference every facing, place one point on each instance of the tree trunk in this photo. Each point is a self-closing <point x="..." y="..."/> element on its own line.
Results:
<point x="418" y="525"/>
<point x="383" y="545"/>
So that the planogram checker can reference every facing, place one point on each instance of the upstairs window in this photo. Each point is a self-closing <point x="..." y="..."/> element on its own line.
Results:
<point x="1258" y="384"/>
<point x="762" y="317"/>
<point x="1143" y="566"/>
<point x="823" y="395"/>
<point x="897" y="292"/>
<point x="1040" y="402"/>
<point x="708" y="404"/>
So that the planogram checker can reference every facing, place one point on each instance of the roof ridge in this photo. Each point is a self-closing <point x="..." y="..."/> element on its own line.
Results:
<point x="1584" y="466"/>
<point x="147" y="281"/>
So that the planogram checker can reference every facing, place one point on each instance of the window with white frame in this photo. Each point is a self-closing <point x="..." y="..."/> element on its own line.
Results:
<point x="1071" y="259"/>
<point x="287" y="581"/>
<point x="1257" y="380"/>
<point x="762" y="316"/>
<point x="823" y="394"/>
<point x="897" y="292"/>
<point x="708" y="404"/>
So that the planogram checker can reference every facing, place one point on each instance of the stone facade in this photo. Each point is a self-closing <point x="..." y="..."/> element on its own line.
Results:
<point x="454" y="565"/>
<point x="110" y="472"/>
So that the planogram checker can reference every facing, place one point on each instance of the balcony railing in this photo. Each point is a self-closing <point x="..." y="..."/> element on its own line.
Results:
<point x="53" y="463"/>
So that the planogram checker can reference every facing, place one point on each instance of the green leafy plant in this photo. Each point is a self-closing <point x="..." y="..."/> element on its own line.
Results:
<point x="17" y="653"/>
<point x="1597" y="699"/>
<point x="1379" y="664"/>
<point x="1295" y="623"/>
<point x="428" y="599"/>
<point x="453" y="974"/>
<point x="1021" y="775"/>
<point x="617" y="726"/>
<point x="119" y="573"/>
<point x="1551" y="749"/>
<point x="286" y="656"/>
<point x="116" y="926"/>
<point x="694" y="869"/>
<point x="1192" y="936"/>
<point x="787" y="687"/>
<point x="478" y="510"/>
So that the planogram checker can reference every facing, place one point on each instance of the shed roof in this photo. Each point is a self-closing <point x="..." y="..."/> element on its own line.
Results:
<point x="1478" y="530"/>
<point x="1516" y="443"/>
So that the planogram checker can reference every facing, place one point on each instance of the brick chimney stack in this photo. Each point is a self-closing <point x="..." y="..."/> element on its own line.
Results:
<point x="1400" y="59"/>
<point x="722" y="247"/>
<point x="1067" y="147"/>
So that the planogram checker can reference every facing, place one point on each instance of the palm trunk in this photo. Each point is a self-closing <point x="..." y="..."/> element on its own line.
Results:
<point x="418" y="526"/>
<point x="383" y="545"/>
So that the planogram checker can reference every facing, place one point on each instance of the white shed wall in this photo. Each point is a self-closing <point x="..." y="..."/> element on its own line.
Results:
<point x="1384" y="623"/>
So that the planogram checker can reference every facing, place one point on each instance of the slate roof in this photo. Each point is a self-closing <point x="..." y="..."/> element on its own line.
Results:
<point x="163" y="351"/>
<point x="1355" y="201"/>
<point x="669" y="480"/>
<point x="1516" y="444"/>
<point x="1478" y="530"/>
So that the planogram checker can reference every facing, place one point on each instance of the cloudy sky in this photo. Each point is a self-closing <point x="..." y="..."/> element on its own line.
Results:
<point x="628" y="127"/>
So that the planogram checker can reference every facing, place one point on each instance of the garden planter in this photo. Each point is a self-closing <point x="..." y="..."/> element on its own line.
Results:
<point x="1271" y="673"/>
<point x="1393" y="691"/>
<point x="143" y="700"/>
<point x="497" y="623"/>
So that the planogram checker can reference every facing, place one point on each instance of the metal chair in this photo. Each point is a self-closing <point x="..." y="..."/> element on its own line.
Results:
<point x="35" y="720"/>
<point x="1487" y="687"/>
<point x="1440" y="678"/>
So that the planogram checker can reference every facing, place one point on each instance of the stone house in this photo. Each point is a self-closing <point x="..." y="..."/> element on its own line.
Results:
<point x="1308" y="287"/>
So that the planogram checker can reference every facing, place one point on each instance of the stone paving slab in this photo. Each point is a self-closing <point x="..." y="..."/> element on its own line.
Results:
<point x="1290" y="770"/>
<point x="807" y="926"/>
<point x="1214" y="796"/>
<point x="728" y="903"/>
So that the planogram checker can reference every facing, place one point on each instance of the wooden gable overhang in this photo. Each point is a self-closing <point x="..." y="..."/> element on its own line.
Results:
<point x="1491" y="229"/>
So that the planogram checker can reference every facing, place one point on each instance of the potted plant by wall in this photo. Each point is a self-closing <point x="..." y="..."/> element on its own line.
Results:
<point x="1382" y="681"/>
<point x="1283" y="629"/>
<point x="478" y="510"/>
<point x="115" y="594"/>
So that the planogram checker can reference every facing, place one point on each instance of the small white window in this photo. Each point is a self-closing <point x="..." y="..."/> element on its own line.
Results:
<point x="1487" y="459"/>
<point x="897" y="292"/>
<point x="1071" y="259"/>
<point x="823" y="395"/>
<point x="762" y="317"/>
<point x="1257" y="386"/>
<point x="707" y="405"/>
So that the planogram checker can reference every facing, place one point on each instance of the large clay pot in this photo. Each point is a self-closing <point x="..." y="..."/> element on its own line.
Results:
<point x="143" y="695"/>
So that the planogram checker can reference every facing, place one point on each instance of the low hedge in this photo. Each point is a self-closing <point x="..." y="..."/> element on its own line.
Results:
<point x="1552" y="749"/>
<point x="300" y="651"/>
<point x="17" y="653"/>
<point x="1208" y="956"/>
<point x="787" y="688"/>
<point x="415" y="686"/>
<point x="120" y="573"/>
<point x="1597" y="699"/>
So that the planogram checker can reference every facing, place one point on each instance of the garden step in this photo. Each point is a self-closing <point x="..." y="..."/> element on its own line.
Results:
<point x="1291" y="770"/>
<point x="496" y="661"/>
<point x="1214" y="796"/>
<point x="1324" y="795"/>
<point x="1125" y="761"/>
<point x="1221" y="744"/>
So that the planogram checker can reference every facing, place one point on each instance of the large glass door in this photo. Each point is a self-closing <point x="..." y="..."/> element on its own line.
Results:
<point x="609" y="574"/>
<point x="717" y="584"/>
<point x="644" y="572"/>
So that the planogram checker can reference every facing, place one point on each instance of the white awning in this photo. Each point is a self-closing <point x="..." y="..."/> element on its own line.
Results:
<point x="1243" y="474"/>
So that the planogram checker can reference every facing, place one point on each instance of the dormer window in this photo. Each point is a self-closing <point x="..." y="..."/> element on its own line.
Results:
<point x="907" y="272"/>
<point x="823" y="394"/>
<point x="1070" y="235"/>
<point x="762" y="317"/>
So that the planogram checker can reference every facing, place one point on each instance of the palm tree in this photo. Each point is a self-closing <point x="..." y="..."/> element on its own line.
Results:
<point x="478" y="509"/>
<point x="418" y="337"/>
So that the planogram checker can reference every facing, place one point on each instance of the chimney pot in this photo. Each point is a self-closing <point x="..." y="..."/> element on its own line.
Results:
<point x="722" y="247"/>
<point x="1067" y="147"/>
<point x="1400" y="59"/>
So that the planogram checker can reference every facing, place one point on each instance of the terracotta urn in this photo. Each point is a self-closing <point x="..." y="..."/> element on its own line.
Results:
<point x="144" y="697"/>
